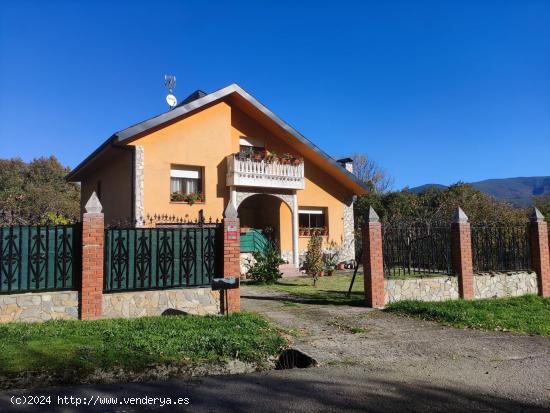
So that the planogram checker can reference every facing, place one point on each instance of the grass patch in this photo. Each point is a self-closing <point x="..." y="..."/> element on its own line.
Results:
<point x="527" y="314"/>
<point x="329" y="290"/>
<point x="61" y="346"/>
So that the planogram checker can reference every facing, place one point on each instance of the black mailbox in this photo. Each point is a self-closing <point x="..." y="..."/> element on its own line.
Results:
<point x="228" y="283"/>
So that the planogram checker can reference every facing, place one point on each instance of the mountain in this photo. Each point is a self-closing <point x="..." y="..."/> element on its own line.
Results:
<point x="518" y="191"/>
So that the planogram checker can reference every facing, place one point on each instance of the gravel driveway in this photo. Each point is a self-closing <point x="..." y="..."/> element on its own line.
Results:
<point x="494" y="364"/>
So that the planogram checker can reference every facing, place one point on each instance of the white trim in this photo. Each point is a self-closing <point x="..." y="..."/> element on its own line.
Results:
<point x="319" y="211"/>
<point x="185" y="173"/>
<point x="248" y="141"/>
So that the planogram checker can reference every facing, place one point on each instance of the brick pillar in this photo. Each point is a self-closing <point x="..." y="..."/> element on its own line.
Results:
<point x="91" y="285"/>
<point x="540" y="260"/>
<point x="373" y="264"/>
<point x="461" y="251"/>
<point x="231" y="257"/>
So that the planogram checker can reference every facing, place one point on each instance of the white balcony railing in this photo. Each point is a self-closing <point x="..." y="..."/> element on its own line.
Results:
<point x="248" y="172"/>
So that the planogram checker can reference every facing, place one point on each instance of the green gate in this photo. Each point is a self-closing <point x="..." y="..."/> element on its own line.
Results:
<point x="39" y="258"/>
<point x="153" y="258"/>
<point x="253" y="240"/>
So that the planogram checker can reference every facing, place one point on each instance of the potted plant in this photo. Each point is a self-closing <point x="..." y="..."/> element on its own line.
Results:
<point x="286" y="159"/>
<point x="296" y="160"/>
<point x="330" y="263"/>
<point x="257" y="155"/>
<point x="271" y="157"/>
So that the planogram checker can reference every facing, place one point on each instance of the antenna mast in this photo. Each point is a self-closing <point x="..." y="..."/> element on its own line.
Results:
<point x="170" y="84"/>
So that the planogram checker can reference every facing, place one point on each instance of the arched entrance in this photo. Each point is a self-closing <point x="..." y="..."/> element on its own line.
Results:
<point x="262" y="209"/>
<point x="260" y="220"/>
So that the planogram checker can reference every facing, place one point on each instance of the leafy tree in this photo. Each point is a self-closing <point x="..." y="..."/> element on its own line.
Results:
<point x="37" y="192"/>
<point x="438" y="205"/>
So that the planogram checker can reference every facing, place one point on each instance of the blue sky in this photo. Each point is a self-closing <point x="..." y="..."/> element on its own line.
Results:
<point x="434" y="91"/>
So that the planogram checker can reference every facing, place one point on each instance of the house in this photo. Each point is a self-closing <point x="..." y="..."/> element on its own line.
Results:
<point x="226" y="150"/>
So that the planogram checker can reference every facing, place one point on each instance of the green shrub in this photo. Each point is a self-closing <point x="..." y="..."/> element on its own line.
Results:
<point x="266" y="266"/>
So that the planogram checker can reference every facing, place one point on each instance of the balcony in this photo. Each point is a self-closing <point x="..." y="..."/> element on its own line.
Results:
<point x="264" y="174"/>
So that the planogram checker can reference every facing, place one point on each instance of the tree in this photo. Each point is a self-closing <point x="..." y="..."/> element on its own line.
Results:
<point x="37" y="192"/>
<point x="314" y="258"/>
<point x="368" y="171"/>
<point x="438" y="205"/>
<point x="543" y="204"/>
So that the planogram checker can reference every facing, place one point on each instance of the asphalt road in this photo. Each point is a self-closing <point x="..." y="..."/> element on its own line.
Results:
<point x="322" y="389"/>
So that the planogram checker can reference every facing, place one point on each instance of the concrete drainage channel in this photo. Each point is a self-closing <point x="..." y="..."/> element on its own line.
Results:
<point x="294" y="358"/>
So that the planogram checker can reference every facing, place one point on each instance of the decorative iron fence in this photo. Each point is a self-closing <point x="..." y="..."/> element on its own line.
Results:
<point x="39" y="258"/>
<point x="500" y="248"/>
<point x="189" y="255"/>
<point x="416" y="249"/>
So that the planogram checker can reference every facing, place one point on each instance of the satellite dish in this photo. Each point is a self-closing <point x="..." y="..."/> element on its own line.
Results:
<point x="171" y="100"/>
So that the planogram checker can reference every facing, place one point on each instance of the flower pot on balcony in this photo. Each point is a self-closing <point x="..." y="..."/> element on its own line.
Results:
<point x="296" y="161"/>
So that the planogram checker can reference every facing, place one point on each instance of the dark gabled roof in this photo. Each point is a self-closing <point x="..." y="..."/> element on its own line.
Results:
<point x="199" y="99"/>
<point x="197" y="94"/>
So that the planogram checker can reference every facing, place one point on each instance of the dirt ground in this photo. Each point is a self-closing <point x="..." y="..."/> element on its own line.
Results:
<point x="497" y="364"/>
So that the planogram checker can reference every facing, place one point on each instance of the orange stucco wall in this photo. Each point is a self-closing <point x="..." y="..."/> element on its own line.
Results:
<point x="113" y="173"/>
<point x="205" y="139"/>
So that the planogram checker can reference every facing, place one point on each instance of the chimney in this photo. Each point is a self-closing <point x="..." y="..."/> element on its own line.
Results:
<point x="347" y="163"/>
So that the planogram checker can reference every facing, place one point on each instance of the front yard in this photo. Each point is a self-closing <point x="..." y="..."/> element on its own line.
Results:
<point x="81" y="347"/>
<point x="527" y="314"/>
<point x="329" y="290"/>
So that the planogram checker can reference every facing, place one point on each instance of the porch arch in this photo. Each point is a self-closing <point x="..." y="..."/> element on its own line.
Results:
<point x="290" y="198"/>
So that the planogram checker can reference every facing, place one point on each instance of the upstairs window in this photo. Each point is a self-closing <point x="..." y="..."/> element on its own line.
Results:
<point x="186" y="184"/>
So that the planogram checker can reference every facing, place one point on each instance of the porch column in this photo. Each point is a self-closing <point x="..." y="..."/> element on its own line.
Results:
<point x="295" y="258"/>
<point x="233" y="196"/>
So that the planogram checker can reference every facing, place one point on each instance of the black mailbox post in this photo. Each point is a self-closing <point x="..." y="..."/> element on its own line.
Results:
<point x="224" y="284"/>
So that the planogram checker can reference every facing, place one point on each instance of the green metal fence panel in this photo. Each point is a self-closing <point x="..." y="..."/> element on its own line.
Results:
<point x="158" y="258"/>
<point x="39" y="258"/>
<point x="253" y="240"/>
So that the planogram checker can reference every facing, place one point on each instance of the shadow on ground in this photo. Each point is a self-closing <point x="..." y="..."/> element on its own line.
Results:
<point x="303" y="299"/>
<point x="351" y="389"/>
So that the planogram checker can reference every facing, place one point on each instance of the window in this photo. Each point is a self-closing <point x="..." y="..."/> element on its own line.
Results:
<point x="312" y="221"/>
<point x="186" y="184"/>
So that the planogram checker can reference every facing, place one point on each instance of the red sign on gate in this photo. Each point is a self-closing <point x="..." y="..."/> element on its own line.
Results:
<point x="232" y="233"/>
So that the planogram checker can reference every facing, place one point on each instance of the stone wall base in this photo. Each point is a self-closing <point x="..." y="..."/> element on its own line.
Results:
<point x="505" y="284"/>
<point x="486" y="285"/>
<point x="39" y="306"/>
<point x="199" y="301"/>
<point x="423" y="289"/>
